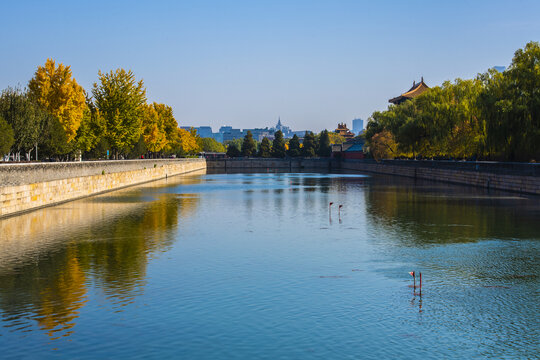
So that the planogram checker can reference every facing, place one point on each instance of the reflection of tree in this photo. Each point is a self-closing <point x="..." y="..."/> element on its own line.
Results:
<point x="62" y="298"/>
<point x="431" y="215"/>
<point x="114" y="255"/>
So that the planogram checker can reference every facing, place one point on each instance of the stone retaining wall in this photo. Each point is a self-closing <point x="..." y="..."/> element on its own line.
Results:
<point x="486" y="179"/>
<point x="321" y="164"/>
<point x="26" y="187"/>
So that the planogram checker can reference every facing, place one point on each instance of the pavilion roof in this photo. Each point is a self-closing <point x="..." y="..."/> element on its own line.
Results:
<point x="413" y="92"/>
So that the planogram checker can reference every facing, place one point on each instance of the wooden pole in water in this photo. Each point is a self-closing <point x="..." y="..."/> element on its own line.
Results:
<point x="420" y="283"/>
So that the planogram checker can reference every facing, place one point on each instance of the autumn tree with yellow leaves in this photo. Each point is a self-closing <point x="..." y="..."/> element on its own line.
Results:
<point x="54" y="89"/>
<point x="186" y="142"/>
<point x="154" y="135"/>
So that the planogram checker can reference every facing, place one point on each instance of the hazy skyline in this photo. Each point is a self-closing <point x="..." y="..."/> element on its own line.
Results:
<point x="313" y="63"/>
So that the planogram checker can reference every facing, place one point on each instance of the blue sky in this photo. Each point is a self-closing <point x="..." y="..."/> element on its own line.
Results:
<point x="244" y="63"/>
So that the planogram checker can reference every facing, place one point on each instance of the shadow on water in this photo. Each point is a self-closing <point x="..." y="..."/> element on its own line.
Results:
<point x="50" y="257"/>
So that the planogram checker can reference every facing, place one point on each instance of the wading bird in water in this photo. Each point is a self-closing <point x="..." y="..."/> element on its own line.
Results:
<point x="414" y="279"/>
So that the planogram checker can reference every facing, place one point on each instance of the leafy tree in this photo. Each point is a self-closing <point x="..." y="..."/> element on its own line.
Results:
<point x="168" y="126"/>
<point x="237" y="142"/>
<point x="211" y="145"/>
<point x="383" y="146"/>
<point x="138" y="150"/>
<point x="308" y="148"/>
<point x="278" y="145"/>
<point x="233" y="150"/>
<point x="6" y="138"/>
<point x="186" y="143"/>
<point x="375" y="125"/>
<point x="165" y="114"/>
<point x="265" y="150"/>
<point x="26" y="119"/>
<point x="249" y="147"/>
<point x="325" y="149"/>
<point x="511" y="106"/>
<point x="120" y="99"/>
<point x="336" y="138"/>
<point x="294" y="146"/>
<point x="56" y="144"/>
<point x="154" y="134"/>
<point x="54" y="88"/>
<point x="91" y="129"/>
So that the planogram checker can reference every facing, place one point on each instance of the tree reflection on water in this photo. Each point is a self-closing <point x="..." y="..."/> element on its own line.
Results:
<point x="427" y="212"/>
<point x="52" y="256"/>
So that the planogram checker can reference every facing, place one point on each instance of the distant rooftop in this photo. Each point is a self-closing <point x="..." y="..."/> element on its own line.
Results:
<point x="413" y="92"/>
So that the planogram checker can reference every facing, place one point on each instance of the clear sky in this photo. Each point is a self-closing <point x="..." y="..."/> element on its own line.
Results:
<point x="244" y="63"/>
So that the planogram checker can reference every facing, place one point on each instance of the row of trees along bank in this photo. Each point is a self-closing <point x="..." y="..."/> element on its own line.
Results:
<point x="57" y="116"/>
<point x="312" y="145"/>
<point x="494" y="117"/>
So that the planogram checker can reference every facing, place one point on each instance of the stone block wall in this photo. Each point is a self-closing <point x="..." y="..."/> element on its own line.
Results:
<point x="322" y="164"/>
<point x="26" y="187"/>
<point x="486" y="179"/>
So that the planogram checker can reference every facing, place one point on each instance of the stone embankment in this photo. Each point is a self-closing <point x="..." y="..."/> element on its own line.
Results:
<point x="517" y="177"/>
<point x="292" y="164"/>
<point x="26" y="187"/>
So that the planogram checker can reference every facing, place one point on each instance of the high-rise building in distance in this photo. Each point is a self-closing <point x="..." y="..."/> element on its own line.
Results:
<point x="357" y="126"/>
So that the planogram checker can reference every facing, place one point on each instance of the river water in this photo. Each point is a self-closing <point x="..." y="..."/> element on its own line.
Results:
<point x="256" y="266"/>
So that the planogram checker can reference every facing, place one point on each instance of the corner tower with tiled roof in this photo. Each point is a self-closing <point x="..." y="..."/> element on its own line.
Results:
<point x="413" y="92"/>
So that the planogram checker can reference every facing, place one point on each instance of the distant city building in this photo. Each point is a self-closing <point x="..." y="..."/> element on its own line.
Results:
<point x="225" y="129"/>
<point x="227" y="132"/>
<point x="258" y="133"/>
<point x="344" y="131"/>
<point x="284" y="129"/>
<point x="232" y="134"/>
<point x="413" y="92"/>
<point x="500" y="68"/>
<point x="204" y="131"/>
<point x="357" y="126"/>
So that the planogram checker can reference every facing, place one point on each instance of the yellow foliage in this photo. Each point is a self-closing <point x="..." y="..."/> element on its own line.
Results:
<point x="153" y="129"/>
<point x="56" y="90"/>
<point x="383" y="146"/>
<point x="335" y="138"/>
<point x="187" y="142"/>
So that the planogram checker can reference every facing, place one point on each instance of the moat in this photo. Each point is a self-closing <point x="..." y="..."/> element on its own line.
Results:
<point x="254" y="265"/>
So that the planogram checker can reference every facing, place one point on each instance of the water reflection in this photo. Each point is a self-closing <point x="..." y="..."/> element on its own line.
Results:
<point x="426" y="212"/>
<point x="50" y="257"/>
<point x="257" y="269"/>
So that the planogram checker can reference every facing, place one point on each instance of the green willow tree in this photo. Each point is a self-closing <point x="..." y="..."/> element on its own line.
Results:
<point x="120" y="99"/>
<point x="511" y="106"/>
